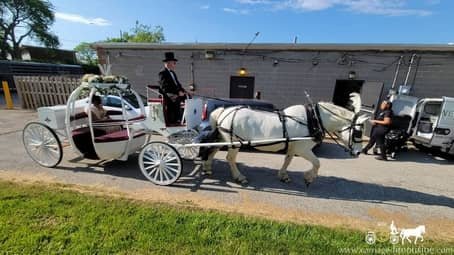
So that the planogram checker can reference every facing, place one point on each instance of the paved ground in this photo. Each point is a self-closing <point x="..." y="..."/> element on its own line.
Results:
<point x="359" y="193"/>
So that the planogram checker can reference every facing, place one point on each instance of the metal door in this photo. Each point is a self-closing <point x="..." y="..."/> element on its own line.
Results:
<point x="370" y="95"/>
<point x="241" y="87"/>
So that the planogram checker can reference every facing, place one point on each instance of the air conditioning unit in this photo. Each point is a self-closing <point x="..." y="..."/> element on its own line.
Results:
<point x="209" y="54"/>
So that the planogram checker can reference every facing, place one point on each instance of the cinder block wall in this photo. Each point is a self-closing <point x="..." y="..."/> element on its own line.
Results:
<point x="284" y="83"/>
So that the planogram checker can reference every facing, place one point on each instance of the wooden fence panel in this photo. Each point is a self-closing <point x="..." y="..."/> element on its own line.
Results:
<point x="37" y="91"/>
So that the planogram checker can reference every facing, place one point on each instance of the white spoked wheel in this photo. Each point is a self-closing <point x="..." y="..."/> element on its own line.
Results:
<point x="160" y="163"/>
<point x="182" y="138"/>
<point x="42" y="144"/>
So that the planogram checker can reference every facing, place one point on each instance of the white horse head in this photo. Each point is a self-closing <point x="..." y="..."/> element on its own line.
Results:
<point x="355" y="101"/>
<point x="345" y="124"/>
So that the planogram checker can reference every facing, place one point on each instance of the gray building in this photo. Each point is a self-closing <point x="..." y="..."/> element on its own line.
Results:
<point x="282" y="72"/>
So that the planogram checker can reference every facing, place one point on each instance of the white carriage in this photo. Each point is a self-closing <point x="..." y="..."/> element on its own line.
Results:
<point x="121" y="134"/>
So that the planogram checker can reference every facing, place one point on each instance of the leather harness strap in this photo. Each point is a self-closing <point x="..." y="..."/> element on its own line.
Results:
<point x="282" y="118"/>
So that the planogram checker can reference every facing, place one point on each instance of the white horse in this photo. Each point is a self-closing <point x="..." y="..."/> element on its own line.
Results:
<point x="417" y="232"/>
<point x="239" y="123"/>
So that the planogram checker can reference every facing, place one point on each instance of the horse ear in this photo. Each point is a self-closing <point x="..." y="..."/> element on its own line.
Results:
<point x="355" y="99"/>
<point x="361" y="119"/>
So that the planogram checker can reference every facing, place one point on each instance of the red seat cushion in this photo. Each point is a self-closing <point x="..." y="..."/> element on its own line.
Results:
<point x="121" y="135"/>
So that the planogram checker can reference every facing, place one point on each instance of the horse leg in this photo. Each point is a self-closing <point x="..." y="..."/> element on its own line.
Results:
<point x="207" y="164"/>
<point x="236" y="174"/>
<point x="417" y="237"/>
<point x="304" y="150"/>
<point x="283" y="174"/>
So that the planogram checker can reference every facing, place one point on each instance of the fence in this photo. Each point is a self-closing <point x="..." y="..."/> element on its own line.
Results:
<point x="37" y="91"/>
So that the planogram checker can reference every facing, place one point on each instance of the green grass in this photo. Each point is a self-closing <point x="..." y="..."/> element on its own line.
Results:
<point x="42" y="219"/>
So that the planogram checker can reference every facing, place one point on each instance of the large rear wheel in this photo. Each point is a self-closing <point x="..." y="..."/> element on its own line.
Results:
<point x="42" y="144"/>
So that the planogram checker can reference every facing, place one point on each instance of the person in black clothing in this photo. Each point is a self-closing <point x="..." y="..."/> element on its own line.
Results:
<point x="172" y="89"/>
<point x="381" y="126"/>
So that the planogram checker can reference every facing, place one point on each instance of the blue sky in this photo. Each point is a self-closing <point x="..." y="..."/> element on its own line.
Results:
<point x="278" y="21"/>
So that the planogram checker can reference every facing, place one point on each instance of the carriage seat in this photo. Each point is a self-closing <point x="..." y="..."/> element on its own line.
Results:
<point x="83" y="115"/>
<point x="121" y="135"/>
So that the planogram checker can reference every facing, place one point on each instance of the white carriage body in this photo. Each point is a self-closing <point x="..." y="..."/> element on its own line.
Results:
<point x="111" y="150"/>
<point x="156" y="121"/>
<point x="54" y="116"/>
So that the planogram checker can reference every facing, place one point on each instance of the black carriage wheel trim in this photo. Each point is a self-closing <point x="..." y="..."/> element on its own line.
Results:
<point x="60" y="148"/>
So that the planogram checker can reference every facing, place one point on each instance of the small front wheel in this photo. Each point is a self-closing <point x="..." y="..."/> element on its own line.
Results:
<point x="178" y="140"/>
<point x="160" y="163"/>
<point x="42" y="144"/>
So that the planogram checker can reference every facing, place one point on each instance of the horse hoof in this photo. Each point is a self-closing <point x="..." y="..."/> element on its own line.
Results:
<point x="286" y="180"/>
<point x="242" y="182"/>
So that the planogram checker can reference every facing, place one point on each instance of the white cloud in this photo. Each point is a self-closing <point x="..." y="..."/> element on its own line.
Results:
<point x="81" y="19"/>
<point x="377" y="7"/>
<point x="236" y="11"/>
<point x="205" y="7"/>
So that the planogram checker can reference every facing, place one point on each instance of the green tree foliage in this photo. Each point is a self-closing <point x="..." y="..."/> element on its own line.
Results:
<point x="20" y="19"/>
<point x="86" y="54"/>
<point x="141" y="33"/>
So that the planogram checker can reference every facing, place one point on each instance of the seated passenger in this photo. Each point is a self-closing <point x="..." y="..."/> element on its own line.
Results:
<point x="98" y="113"/>
<point x="97" y="109"/>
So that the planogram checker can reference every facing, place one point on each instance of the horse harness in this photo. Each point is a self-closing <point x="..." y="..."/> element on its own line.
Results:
<point x="247" y="143"/>
<point x="355" y="136"/>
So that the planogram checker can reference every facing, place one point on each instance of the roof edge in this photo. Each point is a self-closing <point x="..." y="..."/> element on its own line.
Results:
<point x="278" y="46"/>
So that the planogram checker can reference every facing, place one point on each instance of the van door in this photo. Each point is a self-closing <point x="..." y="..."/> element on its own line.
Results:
<point x="444" y="129"/>
<point x="428" y="113"/>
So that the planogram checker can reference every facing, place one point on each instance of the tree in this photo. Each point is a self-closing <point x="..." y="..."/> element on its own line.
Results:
<point x="86" y="54"/>
<point x="25" y="18"/>
<point x="141" y="33"/>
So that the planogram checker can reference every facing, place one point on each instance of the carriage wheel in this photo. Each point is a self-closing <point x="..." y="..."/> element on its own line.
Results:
<point x="160" y="163"/>
<point x="42" y="144"/>
<point x="182" y="138"/>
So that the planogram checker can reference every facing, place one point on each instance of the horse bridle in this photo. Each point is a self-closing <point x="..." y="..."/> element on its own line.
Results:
<point x="355" y="136"/>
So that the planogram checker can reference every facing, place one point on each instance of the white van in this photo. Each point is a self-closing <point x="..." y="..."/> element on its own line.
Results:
<point x="432" y="121"/>
<point x="433" y="124"/>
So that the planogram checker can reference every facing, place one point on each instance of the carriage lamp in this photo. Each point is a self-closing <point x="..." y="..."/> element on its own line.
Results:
<point x="352" y="75"/>
<point x="242" y="71"/>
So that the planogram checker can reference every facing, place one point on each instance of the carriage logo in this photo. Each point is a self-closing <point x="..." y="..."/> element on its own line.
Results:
<point x="395" y="235"/>
<point x="47" y="120"/>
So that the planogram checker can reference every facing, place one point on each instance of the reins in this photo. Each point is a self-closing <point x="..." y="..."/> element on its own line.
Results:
<point x="351" y="128"/>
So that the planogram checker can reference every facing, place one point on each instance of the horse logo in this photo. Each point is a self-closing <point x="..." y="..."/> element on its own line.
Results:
<point x="395" y="235"/>
<point x="417" y="232"/>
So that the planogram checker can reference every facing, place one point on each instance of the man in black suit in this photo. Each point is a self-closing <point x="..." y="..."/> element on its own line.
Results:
<point x="173" y="91"/>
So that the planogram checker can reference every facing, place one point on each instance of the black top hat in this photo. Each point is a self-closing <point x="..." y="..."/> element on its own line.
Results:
<point x="169" y="56"/>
